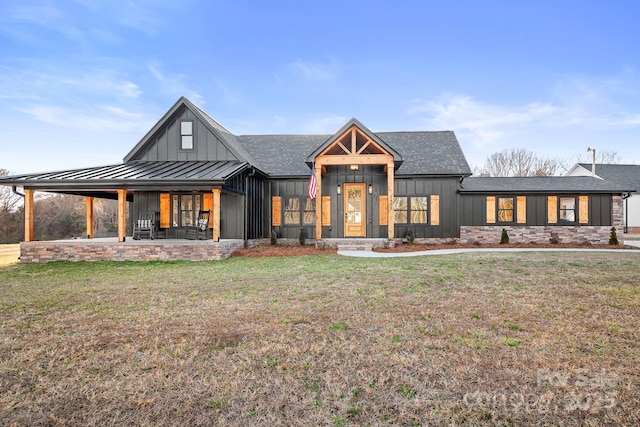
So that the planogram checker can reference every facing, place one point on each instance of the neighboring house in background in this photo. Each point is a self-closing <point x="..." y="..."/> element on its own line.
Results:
<point x="369" y="185"/>
<point x="625" y="175"/>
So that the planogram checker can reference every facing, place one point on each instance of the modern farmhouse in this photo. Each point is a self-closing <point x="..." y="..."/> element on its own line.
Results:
<point x="188" y="172"/>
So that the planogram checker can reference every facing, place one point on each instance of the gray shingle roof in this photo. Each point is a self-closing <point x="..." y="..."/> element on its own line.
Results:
<point x="132" y="174"/>
<point x="430" y="153"/>
<point x="541" y="184"/>
<point x="627" y="175"/>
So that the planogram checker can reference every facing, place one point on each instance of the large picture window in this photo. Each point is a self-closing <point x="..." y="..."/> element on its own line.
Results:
<point x="411" y="209"/>
<point x="300" y="210"/>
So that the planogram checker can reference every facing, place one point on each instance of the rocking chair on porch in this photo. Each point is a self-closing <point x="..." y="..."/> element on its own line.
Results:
<point x="201" y="228"/>
<point x="145" y="224"/>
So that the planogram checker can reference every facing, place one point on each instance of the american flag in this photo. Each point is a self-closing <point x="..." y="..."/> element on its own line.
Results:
<point x="313" y="185"/>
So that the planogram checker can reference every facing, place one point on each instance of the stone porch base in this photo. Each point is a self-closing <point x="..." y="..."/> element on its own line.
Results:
<point x="131" y="250"/>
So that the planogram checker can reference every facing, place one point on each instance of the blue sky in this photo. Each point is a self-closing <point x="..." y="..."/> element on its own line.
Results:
<point x="82" y="81"/>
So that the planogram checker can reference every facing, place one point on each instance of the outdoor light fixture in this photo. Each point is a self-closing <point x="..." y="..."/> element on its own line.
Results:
<point x="370" y="189"/>
<point x="339" y="189"/>
<point x="354" y="167"/>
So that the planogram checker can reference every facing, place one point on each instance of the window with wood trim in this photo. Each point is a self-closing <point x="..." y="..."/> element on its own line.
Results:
<point x="411" y="209"/>
<point x="300" y="210"/>
<point x="186" y="135"/>
<point x="506" y="209"/>
<point x="568" y="209"/>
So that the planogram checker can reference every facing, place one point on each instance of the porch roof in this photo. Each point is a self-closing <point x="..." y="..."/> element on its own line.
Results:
<point x="132" y="176"/>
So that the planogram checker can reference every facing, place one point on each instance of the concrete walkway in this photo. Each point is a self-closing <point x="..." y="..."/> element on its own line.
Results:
<point x="371" y="254"/>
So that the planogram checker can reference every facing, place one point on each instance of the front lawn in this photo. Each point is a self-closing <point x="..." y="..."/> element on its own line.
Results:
<point x="480" y="339"/>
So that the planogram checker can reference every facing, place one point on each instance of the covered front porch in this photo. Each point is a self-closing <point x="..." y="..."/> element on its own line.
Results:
<point x="111" y="249"/>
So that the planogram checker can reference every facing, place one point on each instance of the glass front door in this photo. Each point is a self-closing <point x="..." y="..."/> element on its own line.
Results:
<point x="355" y="210"/>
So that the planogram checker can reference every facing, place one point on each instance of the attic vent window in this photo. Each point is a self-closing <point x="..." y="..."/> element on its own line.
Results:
<point x="186" y="135"/>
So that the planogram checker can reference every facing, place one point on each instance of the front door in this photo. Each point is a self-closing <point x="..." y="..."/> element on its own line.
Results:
<point x="354" y="210"/>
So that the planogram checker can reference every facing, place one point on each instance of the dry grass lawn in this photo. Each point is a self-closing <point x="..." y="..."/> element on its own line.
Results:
<point x="9" y="254"/>
<point x="472" y="339"/>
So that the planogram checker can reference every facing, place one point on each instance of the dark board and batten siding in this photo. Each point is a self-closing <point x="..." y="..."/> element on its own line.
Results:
<point x="206" y="146"/>
<point x="473" y="209"/>
<point x="447" y="189"/>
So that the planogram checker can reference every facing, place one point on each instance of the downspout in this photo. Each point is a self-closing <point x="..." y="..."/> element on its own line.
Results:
<point x="246" y="206"/>
<point x="14" y="190"/>
<point x="626" y="211"/>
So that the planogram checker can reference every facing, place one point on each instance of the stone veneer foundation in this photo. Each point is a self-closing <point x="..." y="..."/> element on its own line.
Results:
<point x="490" y="234"/>
<point x="134" y="250"/>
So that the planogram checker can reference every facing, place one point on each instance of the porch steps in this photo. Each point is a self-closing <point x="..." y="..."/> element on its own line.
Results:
<point x="355" y="247"/>
<point x="353" y="244"/>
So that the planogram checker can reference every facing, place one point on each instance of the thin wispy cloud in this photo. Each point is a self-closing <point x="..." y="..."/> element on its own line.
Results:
<point x="99" y="118"/>
<point x="175" y="84"/>
<point x="315" y="71"/>
<point x="575" y="105"/>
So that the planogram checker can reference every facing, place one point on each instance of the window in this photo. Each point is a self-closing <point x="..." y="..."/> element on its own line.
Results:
<point x="185" y="209"/>
<point x="411" y="210"/>
<point x="292" y="211"/>
<point x="401" y="210"/>
<point x="300" y="208"/>
<point x="567" y="209"/>
<point x="418" y="210"/>
<point x="505" y="209"/>
<point x="309" y="216"/>
<point x="186" y="135"/>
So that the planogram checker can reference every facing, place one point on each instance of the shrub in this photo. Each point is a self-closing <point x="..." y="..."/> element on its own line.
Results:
<point x="554" y="239"/>
<point x="411" y="238"/>
<point x="302" y="237"/>
<point x="613" y="237"/>
<point x="504" y="239"/>
<point x="274" y="237"/>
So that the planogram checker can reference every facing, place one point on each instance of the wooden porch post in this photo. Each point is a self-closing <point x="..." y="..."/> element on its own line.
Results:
<point x="122" y="215"/>
<point x="89" y="203"/>
<point x="390" y="192"/>
<point x="28" y="215"/>
<point x="319" y="202"/>
<point x="216" y="214"/>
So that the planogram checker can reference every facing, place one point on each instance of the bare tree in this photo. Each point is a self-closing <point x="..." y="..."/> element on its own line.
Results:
<point x="9" y="201"/>
<point x="605" y="156"/>
<point x="519" y="162"/>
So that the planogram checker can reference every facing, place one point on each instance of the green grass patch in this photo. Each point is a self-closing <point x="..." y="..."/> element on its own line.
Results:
<point x="316" y="340"/>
